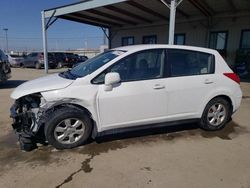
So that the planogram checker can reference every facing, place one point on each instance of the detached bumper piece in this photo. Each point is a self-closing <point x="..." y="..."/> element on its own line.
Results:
<point x="21" y="125"/>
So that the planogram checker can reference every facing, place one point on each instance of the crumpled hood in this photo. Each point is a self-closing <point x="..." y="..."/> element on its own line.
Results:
<point x="46" y="83"/>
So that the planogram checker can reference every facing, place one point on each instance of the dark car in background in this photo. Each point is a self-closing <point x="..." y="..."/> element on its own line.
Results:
<point x="67" y="59"/>
<point x="60" y="58"/>
<point x="71" y="59"/>
<point x="81" y="58"/>
<point x="36" y="60"/>
<point x="5" y="71"/>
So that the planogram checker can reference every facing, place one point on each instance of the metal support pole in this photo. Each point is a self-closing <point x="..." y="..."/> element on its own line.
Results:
<point x="105" y="35"/>
<point x="45" y="45"/>
<point x="172" y="22"/>
<point x="6" y="39"/>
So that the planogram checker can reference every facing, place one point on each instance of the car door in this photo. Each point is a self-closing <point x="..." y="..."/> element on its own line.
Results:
<point x="29" y="60"/>
<point x="34" y="59"/>
<point x="26" y="61"/>
<point x="140" y="98"/>
<point x="190" y="81"/>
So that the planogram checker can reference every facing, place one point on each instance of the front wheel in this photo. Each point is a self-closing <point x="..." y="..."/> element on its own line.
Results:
<point x="68" y="128"/>
<point x="216" y="114"/>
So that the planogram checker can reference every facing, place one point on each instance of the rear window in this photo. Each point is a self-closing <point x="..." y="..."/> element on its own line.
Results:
<point x="188" y="63"/>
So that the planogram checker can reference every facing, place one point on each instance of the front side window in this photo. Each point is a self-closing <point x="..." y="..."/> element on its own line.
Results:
<point x="126" y="41"/>
<point x="150" y="39"/>
<point x="218" y="40"/>
<point x="139" y="66"/>
<point x="245" y="39"/>
<point x="188" y="63"/>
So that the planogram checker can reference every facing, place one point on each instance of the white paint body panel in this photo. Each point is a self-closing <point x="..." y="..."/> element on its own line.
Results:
<point x="46" y="83"/>
<point x="138" y="102"/>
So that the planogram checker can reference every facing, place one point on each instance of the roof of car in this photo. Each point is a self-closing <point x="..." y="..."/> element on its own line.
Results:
<point x="153" y="46"/>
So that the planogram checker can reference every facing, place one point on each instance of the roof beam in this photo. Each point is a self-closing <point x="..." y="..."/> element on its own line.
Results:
<point x="182" y="13"/>
<point x="232" y="5"/>
<point x="96" y="19"/>
<point x="74" y="19"/>
<point x="127" y="13"/>
<point x="115" y="18"/>
<point x="147" y="10"/>
<point x="203" y="7"/>
<point x="80" y="6"/>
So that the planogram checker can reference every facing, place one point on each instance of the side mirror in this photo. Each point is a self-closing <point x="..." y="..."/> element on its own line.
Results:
<point x="111" y="79"/>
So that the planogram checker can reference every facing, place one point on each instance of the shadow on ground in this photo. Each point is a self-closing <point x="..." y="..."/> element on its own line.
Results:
<point x="9" y="84"/>
<point x="11" y="152"/>
<point x="11" y="155"/>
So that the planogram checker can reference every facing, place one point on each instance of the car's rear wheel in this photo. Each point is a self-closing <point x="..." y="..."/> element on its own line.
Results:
<point x="68" y="128"/>
<point x="38" y="65"/>
<point x="59" y="65"/>
<point x="216" y="114"/>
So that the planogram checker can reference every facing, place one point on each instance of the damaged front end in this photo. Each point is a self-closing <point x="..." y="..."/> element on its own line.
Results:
<point x="28" y="121"/>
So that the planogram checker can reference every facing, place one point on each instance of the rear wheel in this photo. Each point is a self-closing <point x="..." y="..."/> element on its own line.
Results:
<point x="68" y="128"/>
<point x="22" y="65"/>
<point x="38" y="65"/>
<point x="216" y="114"/>
<point x="59" y="65"/>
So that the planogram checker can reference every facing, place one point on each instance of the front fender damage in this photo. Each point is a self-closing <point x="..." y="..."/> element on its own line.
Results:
<point x="29" y="115"/>
<point x="28" y="118"/>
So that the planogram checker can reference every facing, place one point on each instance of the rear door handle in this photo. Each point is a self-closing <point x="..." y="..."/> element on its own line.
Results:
<point x="158" y="86"/>
<point x="208" y="81"/>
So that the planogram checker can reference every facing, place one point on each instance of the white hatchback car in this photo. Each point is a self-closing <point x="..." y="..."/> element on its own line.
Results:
<point x="127" y="87"/>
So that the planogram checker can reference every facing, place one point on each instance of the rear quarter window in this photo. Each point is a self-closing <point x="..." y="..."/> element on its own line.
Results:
<point x="188" y="63"/>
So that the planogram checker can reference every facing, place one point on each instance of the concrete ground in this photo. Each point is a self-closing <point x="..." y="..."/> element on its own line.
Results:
<point x="181" y="156"/>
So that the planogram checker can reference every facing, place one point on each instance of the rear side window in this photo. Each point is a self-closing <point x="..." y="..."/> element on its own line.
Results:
<point x="188" y="63"/>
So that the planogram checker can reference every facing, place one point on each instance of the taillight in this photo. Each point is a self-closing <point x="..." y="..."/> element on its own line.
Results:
<point x="233" y="77"/>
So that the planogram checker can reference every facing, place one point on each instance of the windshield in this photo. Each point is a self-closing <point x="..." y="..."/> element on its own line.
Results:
<point x="94" y="63"/>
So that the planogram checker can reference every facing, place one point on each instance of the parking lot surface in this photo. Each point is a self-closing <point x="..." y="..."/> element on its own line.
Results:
<point x="180" y="156"/>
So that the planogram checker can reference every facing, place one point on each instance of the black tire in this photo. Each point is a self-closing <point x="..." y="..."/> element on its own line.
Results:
<point x="206" y="124"/>
<point x="21" y="65"/>
<point x="59" y="65"/>
<point x="60" y="115"/>
<point x="38" y="65"/>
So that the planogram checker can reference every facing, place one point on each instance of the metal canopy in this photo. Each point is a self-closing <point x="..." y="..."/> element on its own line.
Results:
<point x="120" y="13"/>
<point x="127" y="13"/>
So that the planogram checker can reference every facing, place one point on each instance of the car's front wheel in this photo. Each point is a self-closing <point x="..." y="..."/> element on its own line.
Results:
<point x="216" y="114"/>
<point x="38" y="65"/>
<point x="68" y="128"/>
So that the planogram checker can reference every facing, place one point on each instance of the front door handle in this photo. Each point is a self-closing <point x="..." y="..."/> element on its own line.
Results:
<point x="158" y="86"/>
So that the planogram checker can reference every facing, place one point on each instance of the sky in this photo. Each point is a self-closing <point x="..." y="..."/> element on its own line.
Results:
<point x="23" y="20"/>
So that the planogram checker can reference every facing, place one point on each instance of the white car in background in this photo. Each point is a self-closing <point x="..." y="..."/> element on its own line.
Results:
<point x="127" y="87"/>
<point x="15" y="60"/>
